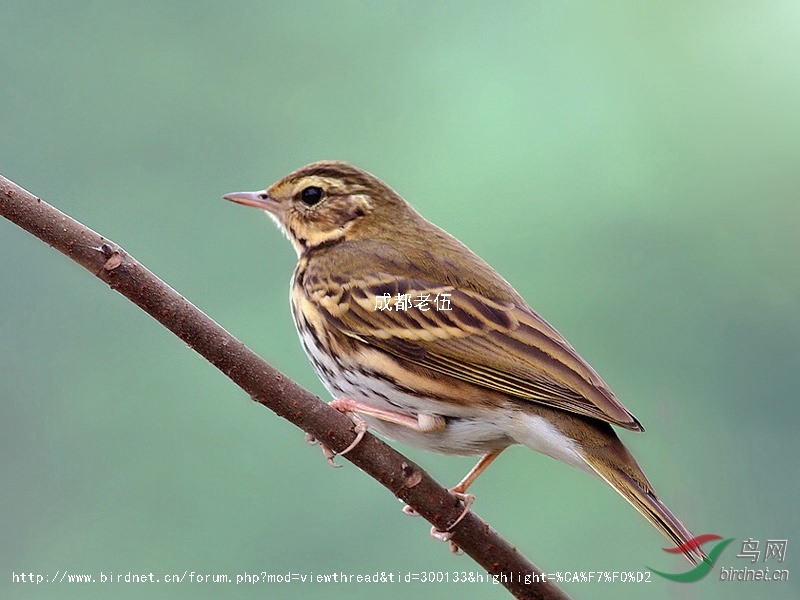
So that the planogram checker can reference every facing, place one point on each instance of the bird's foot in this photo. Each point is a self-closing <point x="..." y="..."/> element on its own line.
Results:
<point x="446" y="534"/>
<point x="342" y="405"/>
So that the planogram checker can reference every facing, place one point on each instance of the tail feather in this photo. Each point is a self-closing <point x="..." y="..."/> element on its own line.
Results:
<point x="639" y="492"/>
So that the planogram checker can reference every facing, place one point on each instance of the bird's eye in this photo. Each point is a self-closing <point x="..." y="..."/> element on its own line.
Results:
<point x="311" y="195"/>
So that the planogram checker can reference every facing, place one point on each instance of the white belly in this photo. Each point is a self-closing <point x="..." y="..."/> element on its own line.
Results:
<point x="471" y="430"/>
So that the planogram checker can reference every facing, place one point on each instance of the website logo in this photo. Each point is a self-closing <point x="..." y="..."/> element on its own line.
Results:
<point x="701" y="570"/>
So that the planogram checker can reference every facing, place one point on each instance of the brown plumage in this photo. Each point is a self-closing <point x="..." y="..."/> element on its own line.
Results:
<point x="434" y="348"/>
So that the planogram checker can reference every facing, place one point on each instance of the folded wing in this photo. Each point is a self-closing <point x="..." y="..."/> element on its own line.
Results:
<point x="497" y="345"/>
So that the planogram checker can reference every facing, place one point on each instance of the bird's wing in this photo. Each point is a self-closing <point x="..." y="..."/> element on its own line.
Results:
<point x="498" y="345"/>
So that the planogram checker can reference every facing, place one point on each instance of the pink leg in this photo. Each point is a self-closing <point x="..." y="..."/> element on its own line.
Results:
<point x="460" y="492"/>
<point x="470" y="478"/>
<point x="423" y="423"/>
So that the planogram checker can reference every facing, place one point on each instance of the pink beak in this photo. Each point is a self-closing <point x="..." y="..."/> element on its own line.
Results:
<point x="255" y="199"/>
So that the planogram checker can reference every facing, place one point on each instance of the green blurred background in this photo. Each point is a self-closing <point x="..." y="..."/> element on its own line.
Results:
<point x="631" y="168"/>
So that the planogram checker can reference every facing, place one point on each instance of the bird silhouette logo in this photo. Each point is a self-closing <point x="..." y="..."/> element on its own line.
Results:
<point x="701" y="570"/>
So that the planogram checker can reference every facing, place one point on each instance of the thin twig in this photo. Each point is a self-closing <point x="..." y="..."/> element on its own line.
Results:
<point x="266" y="385"/>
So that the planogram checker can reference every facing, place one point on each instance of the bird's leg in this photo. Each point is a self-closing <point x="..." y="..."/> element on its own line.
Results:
<point x="342" y="405"/>
<point x="424" y="423"/>
<point x="460" y="491"/>
<point x="475" y="472"/>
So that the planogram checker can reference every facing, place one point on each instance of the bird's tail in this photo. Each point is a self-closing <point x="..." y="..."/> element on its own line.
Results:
<point x="632" y="484"/>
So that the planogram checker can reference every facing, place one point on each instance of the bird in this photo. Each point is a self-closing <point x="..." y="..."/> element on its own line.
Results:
<point x="426" y="344"/>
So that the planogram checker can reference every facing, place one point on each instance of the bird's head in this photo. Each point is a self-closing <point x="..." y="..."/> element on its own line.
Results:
<point x="326" y="202"/>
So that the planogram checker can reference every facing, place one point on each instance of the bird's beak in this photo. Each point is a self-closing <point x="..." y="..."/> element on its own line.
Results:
<point x="255" y="199"/>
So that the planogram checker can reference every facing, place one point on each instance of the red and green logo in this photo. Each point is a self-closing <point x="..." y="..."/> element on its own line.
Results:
<point x="701" y="570"/>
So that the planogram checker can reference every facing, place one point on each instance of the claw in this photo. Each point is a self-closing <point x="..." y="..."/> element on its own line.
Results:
<point x="360" y="429"/>
<point x="442" y="536"/>
<point x="327" y="452"/>
<point x="329" y="455"/>
<point x="446" y="535"/>
<point x="468" y="500"/>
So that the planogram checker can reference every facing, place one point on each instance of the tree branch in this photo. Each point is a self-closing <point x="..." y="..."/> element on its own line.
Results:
<point x="266" y="385"/>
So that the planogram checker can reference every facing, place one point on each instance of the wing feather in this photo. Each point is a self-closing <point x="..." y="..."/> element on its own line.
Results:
<point x="499" y="345"/>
